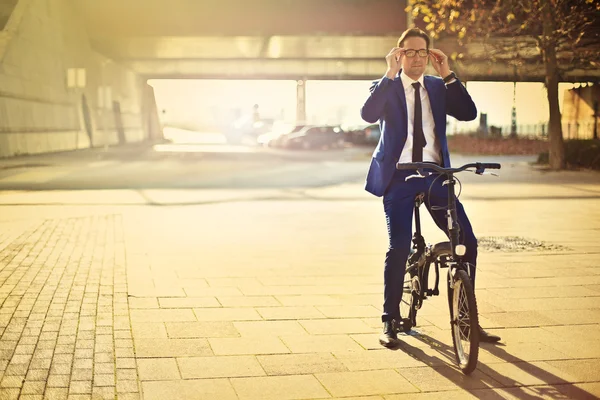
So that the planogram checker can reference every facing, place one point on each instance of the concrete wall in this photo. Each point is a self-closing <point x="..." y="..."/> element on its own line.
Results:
<point x="38" y="112"/>
<point x="580" y="112"/>
<point x="6" y="9"/>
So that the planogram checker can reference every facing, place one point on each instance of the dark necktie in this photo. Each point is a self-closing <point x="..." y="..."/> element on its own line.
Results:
<point x="418" y="135"/>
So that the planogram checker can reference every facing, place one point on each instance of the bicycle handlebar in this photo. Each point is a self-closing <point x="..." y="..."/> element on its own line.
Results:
<point x="479" y="167"/>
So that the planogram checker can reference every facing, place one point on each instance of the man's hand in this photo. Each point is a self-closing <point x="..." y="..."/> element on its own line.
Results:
<point x="439" y="61"/>
<point x="394" y="62"/>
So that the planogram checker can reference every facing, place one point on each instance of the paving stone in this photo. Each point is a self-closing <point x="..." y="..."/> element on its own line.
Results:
<point x="104" y="380"/>
<point x="188" y="302"/>
<point x="376" y="359"/>
<point x="162" y="315"/>
<point x="269" y="328"/>
<point x="348" y="311"/>
<point x="365" y="383"/>
<point x="289" y="313"/>
<point x="30" y="387"/>
<point x="101" y="393"/>
<point x="525" y="374"/>
<point x="279" y="387"/>
<point x="153" y="348"/>
<point x="581" y="390"/>
<point x="219" y="367"/>
<point x="80" y="387"/>
<point x="127" y="374"/>
<point x="320" y="343"/>
<point x="335" y="326"/>
<point x="248" y="301"/>
<point x="297" y="364"/>
<point x="204" y="389"/>
<point x="579" y="349"/>
<point x="583" y="370"/>
<point x="446" y="378"/>
<point x="58" y="381"/>
<point x="157" y="369"/>
<point x="242" y="346"/>
<point x="127" y="386"/>
<point x="149" y="330"/>
<point x="203" y="329"/>
<point x="143" y="302"/>
<point x="56" y="394"/>
<point x="14" y="381"/>
<point x="227" y="314"/>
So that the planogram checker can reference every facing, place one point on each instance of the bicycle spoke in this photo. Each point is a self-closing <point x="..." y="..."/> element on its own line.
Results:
<point x="462" y="322"/>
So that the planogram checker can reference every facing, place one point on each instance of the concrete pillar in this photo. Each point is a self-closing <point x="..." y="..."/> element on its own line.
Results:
<point x="301" y="101"/>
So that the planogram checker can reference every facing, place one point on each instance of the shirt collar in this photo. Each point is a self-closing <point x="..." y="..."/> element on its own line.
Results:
<point x="407" y="81"/>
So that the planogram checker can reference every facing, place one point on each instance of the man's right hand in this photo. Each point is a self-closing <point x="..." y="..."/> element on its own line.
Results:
<point x="394" y="62"/>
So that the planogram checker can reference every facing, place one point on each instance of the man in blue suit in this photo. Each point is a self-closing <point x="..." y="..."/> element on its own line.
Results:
<point x="411" y="109"/>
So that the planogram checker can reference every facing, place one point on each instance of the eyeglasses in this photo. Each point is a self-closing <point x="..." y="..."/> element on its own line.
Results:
<point x="411" y="53"/>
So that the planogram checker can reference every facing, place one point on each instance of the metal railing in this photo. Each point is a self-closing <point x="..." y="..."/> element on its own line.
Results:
<point x="570" y="130"/>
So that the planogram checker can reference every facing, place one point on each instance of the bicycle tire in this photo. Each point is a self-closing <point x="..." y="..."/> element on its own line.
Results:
<point x="464" y="323"/>
<point x="409" y="297"/>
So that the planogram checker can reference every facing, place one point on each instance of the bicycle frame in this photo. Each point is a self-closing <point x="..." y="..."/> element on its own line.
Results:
<point x="451" y="214"/>
<point x="464" y="320"/>
<point x="425" y="255"/>
<point x="453" y="227"/>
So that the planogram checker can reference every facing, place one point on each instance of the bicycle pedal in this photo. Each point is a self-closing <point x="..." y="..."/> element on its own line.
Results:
<point x="404" y="325"/>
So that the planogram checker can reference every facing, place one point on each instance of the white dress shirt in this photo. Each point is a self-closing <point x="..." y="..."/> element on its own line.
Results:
<point x="431" y="151"/>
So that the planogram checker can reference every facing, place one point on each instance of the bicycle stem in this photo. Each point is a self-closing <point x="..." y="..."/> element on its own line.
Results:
<point x="418" y="238"/>
<point x="453" y="227"/>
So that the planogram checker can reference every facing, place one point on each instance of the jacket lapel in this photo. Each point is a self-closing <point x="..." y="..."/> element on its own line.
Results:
<point x="433" y="92"/>
<point x="400" y="92"/>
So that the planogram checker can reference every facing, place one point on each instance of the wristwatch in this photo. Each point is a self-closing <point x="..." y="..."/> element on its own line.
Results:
<point x="450" y="77"/>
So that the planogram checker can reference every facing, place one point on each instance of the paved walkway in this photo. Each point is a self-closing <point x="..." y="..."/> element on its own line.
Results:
<point x="276" y="294"/>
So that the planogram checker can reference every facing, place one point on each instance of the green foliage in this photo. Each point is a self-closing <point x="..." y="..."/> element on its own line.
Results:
<point x="513" y="30"/>
<point x="578" y="154"/>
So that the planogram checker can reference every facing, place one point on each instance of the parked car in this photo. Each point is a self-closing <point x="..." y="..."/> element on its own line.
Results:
<point x="314" y="137"/>
<point x="247" y="131"/>
<point x="372" y="134"/>
<point x="277" y="140"/>
<point x="363" y="135"/>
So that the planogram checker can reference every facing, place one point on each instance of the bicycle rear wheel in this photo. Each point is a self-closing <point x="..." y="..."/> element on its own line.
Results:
<point x="464" y="322"/>
<point x="410" y="293"/>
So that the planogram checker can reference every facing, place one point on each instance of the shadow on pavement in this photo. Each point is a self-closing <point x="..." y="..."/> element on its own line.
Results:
<point x="478" y="383"/>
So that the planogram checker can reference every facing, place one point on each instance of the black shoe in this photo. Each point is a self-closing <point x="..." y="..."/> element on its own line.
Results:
<point x="389" y="338"/>
<point x="487" y="337"/>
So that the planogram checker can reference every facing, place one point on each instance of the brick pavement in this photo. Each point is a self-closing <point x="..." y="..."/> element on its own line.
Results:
<point x="64" y="317"/>
<point x="279" y="298"/>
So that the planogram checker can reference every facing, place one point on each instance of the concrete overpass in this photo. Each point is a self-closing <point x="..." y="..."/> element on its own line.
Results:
<point x="272" y="39"/>
<point x="73" y="72"/>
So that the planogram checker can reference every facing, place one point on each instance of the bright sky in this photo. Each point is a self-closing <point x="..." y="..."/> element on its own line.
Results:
<point x="219" y="101"/>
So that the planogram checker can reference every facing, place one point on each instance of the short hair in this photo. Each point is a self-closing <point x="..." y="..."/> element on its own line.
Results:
<point x="413" y="32"/>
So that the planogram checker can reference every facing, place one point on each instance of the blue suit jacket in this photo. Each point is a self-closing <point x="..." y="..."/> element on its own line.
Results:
<point x="387" y="103"/>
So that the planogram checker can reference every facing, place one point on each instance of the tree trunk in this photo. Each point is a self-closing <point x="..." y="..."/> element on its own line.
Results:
<point x="557" y="146"/>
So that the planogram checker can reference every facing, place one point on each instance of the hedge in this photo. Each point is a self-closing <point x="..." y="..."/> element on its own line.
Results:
<point x="578" y="154"/>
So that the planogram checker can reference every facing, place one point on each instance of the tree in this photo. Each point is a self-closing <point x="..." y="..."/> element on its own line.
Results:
<point x="556" y="35"/>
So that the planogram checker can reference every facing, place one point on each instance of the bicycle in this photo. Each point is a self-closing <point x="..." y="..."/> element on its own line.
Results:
<point x="464" y="319"/>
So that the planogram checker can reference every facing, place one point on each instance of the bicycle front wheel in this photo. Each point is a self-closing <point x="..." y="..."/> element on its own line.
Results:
<point x="464" y="322"/>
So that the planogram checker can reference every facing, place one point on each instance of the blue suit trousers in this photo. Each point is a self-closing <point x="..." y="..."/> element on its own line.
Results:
<point x="398" y="202"/>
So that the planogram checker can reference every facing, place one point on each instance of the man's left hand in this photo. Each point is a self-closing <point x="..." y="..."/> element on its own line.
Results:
<point x="439" y="61"/>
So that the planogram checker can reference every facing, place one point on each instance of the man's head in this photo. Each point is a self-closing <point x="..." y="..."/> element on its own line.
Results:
<point x="415" y="42"/>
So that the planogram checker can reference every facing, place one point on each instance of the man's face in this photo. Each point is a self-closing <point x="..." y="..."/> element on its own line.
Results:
<point x="414" y="66"/>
